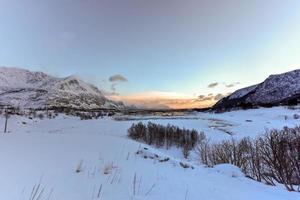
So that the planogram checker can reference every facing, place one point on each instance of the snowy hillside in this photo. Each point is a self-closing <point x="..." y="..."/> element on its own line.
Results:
<point x="242" y="92"/>
<point x="26" y="89"/>
<point x="70" y="159"/>
<point x="281" y="89"/>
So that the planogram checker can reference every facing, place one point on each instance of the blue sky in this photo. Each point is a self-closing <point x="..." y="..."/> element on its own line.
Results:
<point x="157" y="45"/>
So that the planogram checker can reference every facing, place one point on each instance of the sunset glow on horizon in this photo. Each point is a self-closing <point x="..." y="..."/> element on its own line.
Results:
<point x="167" y="100"/>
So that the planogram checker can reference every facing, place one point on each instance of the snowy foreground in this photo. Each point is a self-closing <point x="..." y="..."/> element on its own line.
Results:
<point x="69" y="159"/>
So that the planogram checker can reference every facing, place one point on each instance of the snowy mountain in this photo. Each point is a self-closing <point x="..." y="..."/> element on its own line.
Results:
<point x="281" y="89"/>
<point x="27" y="89"/>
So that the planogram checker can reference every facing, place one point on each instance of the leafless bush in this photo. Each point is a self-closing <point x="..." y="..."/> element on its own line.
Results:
<point x="165" y="136"/>
<point x="41" y="116"/>
<point x="229" y="151"/>
<point x="280" y="152"/>
<point x="271" y="158"/>
<point x="186" y="151"/>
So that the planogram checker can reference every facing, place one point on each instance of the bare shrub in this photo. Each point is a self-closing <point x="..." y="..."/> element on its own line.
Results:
<point x="203" y="151"/>
<point x="280" y="152"/>
<point x="41" y="116"/>
<point x="165" y="136"/>
<point x="186" y="151"/>
<point x="273" y="157"/>
<point x="229" y="151"/>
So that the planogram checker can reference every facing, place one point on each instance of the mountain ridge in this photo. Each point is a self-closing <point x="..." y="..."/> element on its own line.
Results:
<point x="27" y="89"/>
<point x="278" y="89"/>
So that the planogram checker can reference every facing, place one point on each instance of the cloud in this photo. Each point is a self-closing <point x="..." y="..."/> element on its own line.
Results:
<point x="205" y="98"/>
<point x="159" y="100"/>
<point x="117" y="78"/>
<point x="213" y="85"/>
<point x="162" y="103"/>
<point x="219" y="97"/>
<point x="228" y="85"/>
<point x="232" y="84"/>
<point x="211" y="97"/>
<point x="201" y="96"/>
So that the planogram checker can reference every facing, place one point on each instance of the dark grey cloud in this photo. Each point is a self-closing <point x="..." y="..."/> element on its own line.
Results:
<point x="219" y="97"/>
<point x="201" y="96"/>
<point x="211" y="97"/>
<point x="117" y="78"/>
<point x="205" y="98"/>
<point x="228" y="85"/>
<point x="232" y="84"/>
<point x="213" y="85"/>
<point x="208" y="99"/>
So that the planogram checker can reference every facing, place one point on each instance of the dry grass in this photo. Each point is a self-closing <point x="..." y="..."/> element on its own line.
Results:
<point x="108" y="168"/>
<point x="79" y="167"/>
<point x="38" y="193"/>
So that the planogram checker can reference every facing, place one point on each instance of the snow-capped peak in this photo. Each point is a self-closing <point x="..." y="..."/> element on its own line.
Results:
<point x="27" y="89"/>
<point x="279" y="89"/>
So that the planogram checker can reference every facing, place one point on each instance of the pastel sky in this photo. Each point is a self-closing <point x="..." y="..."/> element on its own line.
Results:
<point x="159" y="53"/>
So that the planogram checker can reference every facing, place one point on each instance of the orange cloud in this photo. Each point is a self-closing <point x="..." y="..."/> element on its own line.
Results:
<point x="166" y="100"/>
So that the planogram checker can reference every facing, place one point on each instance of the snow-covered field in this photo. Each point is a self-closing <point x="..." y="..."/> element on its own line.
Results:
<point x="69" y="159"/>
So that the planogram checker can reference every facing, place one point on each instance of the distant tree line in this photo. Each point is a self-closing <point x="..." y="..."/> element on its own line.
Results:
<point x="271" y="158"/>
<point x="52" y="112"/>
